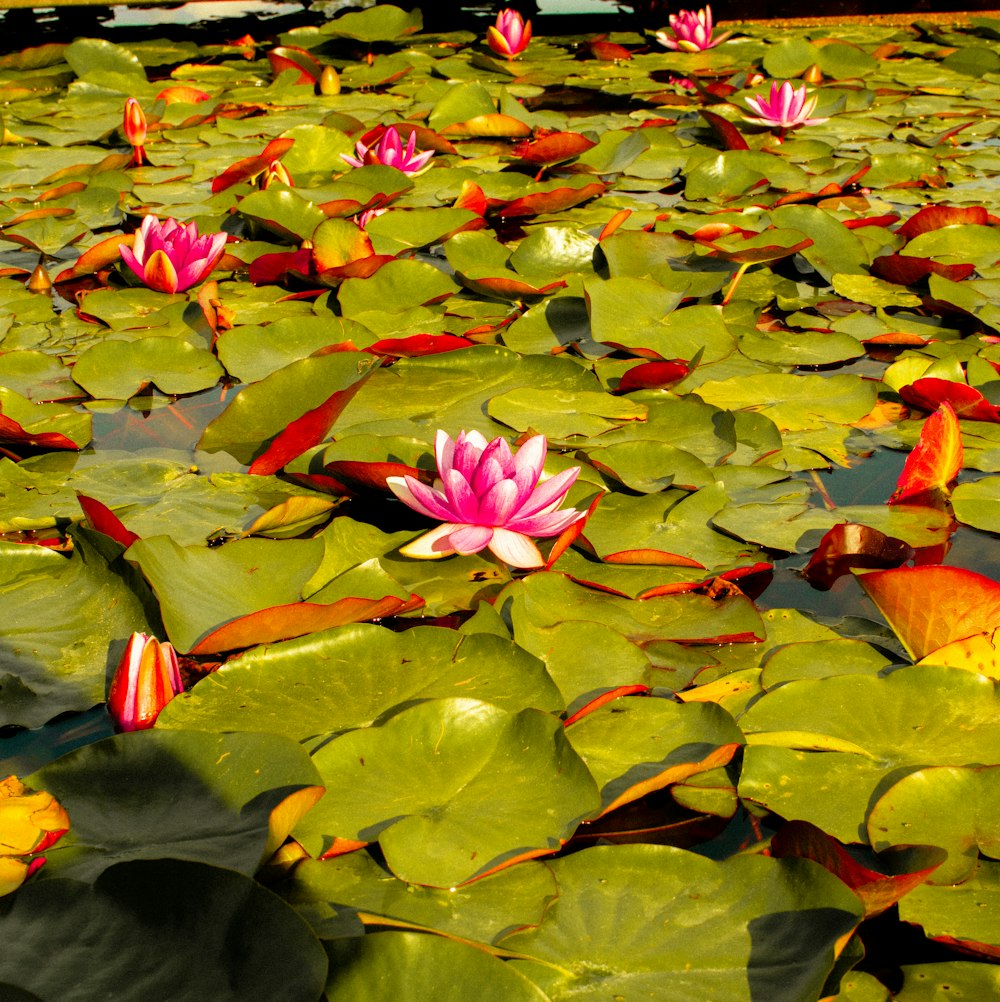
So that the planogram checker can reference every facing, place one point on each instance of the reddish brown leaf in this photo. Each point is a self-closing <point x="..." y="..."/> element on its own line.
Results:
<point x="372" y="476"/>
<point x="271" y="268"/>
<point x="848" y="545"/>
<point x="901" y="869"/>
<point x="652" y="376"/>
<point x="552" y="201"/>
<point x="553" y="149"/>
<point x="291" y="57"/>
<point x="608" y="52"/>
<point x="651" y="557"/>
<point x="934" y="217"/>
<point x="342" y="846"/>
<point x="418" y="344"/>
<point x="104" y="520"/>
<point x="886" y="220"/>
<point x="248" y="167"/>
<point x="571" y="534"/>
<point x="732" y="138"/>
<point x="934" y="463"/>
<point x="614" y="222"/>
<point x="101" y="255"/>
<point x="606" y="697"/>
<point x="509" y="288"/>
<point x="13" y="434"/>
<point x="928" y="607"/>
<point x="304" y="432"/>
<point x="56" y="211"/>
<point x="930" y="393"/>
<point x="904" y="269"/>
<point x="471" y="197"/>
<point x="283" y="622"/>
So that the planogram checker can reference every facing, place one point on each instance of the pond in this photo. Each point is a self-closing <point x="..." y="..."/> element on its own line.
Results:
<point x="499" y="509"/>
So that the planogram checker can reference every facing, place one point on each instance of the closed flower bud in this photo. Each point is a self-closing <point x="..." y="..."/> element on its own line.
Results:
<point x="329" y="81"/>
<point x="147" y="678"/>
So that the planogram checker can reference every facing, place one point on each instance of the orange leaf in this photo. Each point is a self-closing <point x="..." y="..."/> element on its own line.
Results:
<point x="553" y="149"/>
<point x="101" y="255"/>
<point x="283" y="622"/>
<point x="246" y="168"/>
<point x="929" y="607"/>
<point x="935" y="462"/>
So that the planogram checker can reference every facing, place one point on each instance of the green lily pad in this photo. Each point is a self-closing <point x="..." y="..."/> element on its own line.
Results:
<point x="412" y="967"/>
<point x="354" y="675"/>
<point x="120" y="369"/>
<point x="750" y="914"/>
<point x="334" y="894"/>
<point x="824" y="751"/>
<point x="477" y="764"/>
<point x="58" y="654"/>
<point x="165" y="910"/>
<point x="187" y="795"/>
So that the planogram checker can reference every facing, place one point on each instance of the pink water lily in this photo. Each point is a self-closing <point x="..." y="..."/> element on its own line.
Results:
<point x="388" y="150"/>
<point x="692" y="31"/>
<point x="785" y="108"/>
<point x="171" y="257"/>
<point x="488" y="496"/>
<point x="511" y="34"/>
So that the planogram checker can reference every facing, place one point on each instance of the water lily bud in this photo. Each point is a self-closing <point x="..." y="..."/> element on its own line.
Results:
<point x="511" y="34"/>
<point x="40" y="281"/>
<point x="813" y="75"/>
<point x="146" y="679"/>
<point x="329" y="81"/>
<point x="134" y="126"/>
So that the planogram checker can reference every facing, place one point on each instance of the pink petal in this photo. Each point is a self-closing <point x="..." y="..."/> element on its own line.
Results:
<point x="499" y="503"/>
<point x="420" y="497"/>
<point x="468" y="448"/>
<point x="549" y="493"/>
<point x="547" y="523"/>
<point x="515" y="549"/>
<point x="468" y="539"/>
<point x="488" y="474"/>
<point x="530" y="459"/>
<point x="431" y="545"/>
<point x="444" y="452"/>
<point x="462" y="499"/>
<point x="130" y="259"/>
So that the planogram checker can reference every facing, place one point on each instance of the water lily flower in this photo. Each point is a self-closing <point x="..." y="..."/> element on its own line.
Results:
<point x="509" y="37"/>
<point x="488" y="496"/>
<point x="170" y="257"/>
<point x="388" y="150"/>
<point x="29" y="823"/>
<point x="134" y="126"/>
<point x="785" y="108"/>
<point x="146" y="679"/>
<point x="692" y="31"/>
